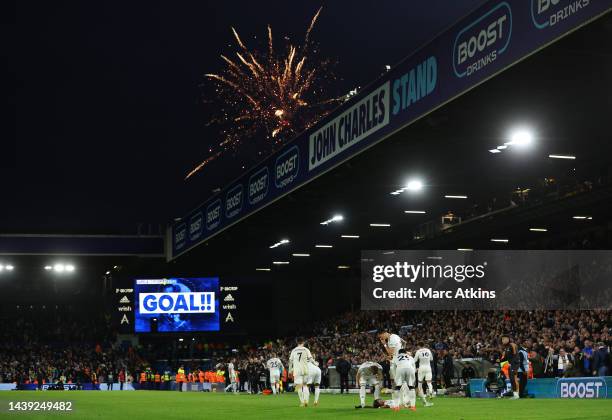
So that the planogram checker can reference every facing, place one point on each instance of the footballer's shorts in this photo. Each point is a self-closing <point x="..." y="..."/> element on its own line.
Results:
<point x="274" y="377"/>
<point x="300" y="379"/>
<point x="424" y="375"/>
<point x="314" y="377"/>
<point x="404" y="375"/>
<point x="368" y="381"/>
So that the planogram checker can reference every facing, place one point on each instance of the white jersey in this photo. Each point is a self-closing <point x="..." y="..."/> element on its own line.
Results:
<point x="231" y="371"/>
<point x="314" y="373"/>
<point x="274" y="365"/>
<point x="424" y="357"/>
<point x="395" y="343"/>
<point x="366" y="371"/>
<point x="404" y="360"/>
<point x="298" y="361"/>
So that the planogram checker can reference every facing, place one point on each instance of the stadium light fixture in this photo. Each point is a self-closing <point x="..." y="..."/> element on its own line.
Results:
<point x="414" y="211"/>
<point x="48" y="267"/>
<point x="502" y="147"/>
<point x="570" y="157"/>
<point x="465" y="249"/>
<point x="301" y="255"/>
<point x="521" y="137"/>
<point x="335" y="218"/>
<point x="343" y="267"/>
<point x="504" y="241"/>
<point x="263" y="269"/>
<point x="414" y="185"/>
<point x="280" y="262"/>
<point x="538" y="229"/>
<point x="69" y="268"/>
<point x="462" y="197"/>
<point x="9" y="267"/>
<point x="350" y="236"/>
<point x="380" y="225"/>
<point x="494" y="151"/>
<point x="279" y="243"/>
<point x="59" y="268"/>
<point x="583" y="217"/>
<point x="323" y="246"/>
<point x="388" y="252"/>
<point x="180" y="339"/>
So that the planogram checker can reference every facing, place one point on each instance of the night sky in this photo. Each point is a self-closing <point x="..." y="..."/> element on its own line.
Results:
<point x="108" y="103"/>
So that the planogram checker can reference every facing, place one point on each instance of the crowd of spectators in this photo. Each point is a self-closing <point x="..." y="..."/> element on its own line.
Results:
<point x="560" y="343"/>
<point x="71" y="348"/>
<point x="52" y="345"/>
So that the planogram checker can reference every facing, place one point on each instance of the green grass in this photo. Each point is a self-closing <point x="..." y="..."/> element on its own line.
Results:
<point x="151" y="405"/>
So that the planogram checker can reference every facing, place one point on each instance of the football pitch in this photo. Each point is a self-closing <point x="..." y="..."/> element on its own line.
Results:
<point x="187" y="405"/>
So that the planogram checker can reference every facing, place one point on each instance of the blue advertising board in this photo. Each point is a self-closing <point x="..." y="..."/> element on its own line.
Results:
<point x="493" y="37"/>
<point x="592" y="387"/>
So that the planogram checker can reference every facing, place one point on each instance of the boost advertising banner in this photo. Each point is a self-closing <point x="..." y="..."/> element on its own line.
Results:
<point x="487" y="41"/>
<point x="176" y="304"/>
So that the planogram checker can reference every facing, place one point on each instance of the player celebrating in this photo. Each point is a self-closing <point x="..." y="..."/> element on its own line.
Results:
<point x="298" y="366"/>
<point x="275" y="366"/>
<point x="369" y="374"/>
<point x="314" y="379"/>
<point x="392" y="343"/>
<point x="511" y="355"/>
<point x="424" y="357"/>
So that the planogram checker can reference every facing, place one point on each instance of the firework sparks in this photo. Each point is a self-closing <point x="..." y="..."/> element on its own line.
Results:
<point x="270" y="96"/>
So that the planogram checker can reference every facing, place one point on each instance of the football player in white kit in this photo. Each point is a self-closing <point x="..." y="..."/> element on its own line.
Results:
<point x="231" y="371"/>
<point x="298" y="366"/>
<point x="405" y="380"/>
<point x="314" y="379"/>
<point x="369" y="374"/>
<point x="424" y="357"/>
<point x="275" y="366"/>
<point x="392" y="343"/>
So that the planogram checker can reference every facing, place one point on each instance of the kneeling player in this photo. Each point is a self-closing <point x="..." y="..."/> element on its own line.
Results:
<point x="370" y="374"/>
<point x="314" y="379"/>
<point x="404" y="392"/>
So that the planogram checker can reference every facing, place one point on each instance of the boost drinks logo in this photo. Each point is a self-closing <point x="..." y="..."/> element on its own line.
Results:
<point x="545" y="13"/>
<point x="287" y="167"/>
<point x="233" y="201"/>
<point x="196" y="226"/>
<point x="213" y="215"/>
<point x="582" y="388"/>
<point x="482" y="41"/>
<point x="180" y="236"/>
<point x="258" y="185"/>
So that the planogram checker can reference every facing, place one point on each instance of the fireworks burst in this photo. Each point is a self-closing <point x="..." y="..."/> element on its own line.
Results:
<point x="269" y="95"/>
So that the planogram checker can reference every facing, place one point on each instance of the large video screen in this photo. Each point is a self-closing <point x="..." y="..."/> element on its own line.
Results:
<point x="176" y="304"/>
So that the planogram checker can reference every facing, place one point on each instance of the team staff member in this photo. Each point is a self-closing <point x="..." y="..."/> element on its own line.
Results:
<point x="180" y="378"/>
<point x="143" y="380"/>
<point x="157" y="381"/>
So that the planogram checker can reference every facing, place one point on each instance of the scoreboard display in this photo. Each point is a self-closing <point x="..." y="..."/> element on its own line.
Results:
<point x="177" y="305"/>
